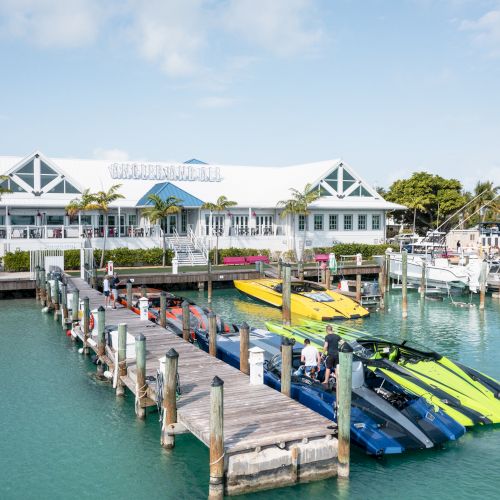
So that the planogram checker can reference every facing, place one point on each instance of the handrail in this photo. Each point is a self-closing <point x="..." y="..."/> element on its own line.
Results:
<point x="198" y="243"/>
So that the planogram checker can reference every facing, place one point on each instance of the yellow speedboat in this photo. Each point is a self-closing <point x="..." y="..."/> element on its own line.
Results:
<point x="308" y="299"/>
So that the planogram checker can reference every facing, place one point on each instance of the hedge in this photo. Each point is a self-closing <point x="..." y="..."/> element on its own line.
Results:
<point x="367" y="251"/>
<point x="121" y="257"/>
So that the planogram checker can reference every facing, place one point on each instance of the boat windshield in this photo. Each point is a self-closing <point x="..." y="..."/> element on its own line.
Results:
<point x="319" y="296"/>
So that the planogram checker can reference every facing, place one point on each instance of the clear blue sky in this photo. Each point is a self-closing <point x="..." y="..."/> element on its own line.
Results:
<point x="391" y="86"/>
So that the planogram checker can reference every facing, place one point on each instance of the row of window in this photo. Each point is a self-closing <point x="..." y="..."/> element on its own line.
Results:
<point x="333" y="222"/>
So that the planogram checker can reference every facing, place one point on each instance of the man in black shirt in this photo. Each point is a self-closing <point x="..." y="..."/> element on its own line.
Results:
<point x="331" y="347"/>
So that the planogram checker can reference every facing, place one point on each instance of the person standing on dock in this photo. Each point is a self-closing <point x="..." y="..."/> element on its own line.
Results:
<point x="115" y="281"/>
<point x="105" y="290"/>
<point x="331" y="347"/>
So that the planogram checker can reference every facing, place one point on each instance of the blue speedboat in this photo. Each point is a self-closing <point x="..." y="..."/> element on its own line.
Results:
<point x="385" y="419"/>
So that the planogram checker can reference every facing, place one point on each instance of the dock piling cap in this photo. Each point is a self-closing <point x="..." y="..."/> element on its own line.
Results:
<point x="285" y="341"/>
<point x="185" y="303"/>
<point x="244" y="325"/>
<point x="100" y="309"/>
<point x="217" y="382"/>
<point x="346" y="347"/>
<point x="172" y="353"/>
<point x="140" y="338"/>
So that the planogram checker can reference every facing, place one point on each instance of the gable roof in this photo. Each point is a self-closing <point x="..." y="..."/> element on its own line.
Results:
<point x="166" y="189"/>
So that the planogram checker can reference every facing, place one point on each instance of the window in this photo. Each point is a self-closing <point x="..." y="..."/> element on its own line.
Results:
<point x="332" y="179"/>
<point x="132" y="219"/>
<point x="10" y="184"/>
<point x="333" y="222"/>
<point x="64" y="187"/>
<point x="26" y="173"/>
<point x="361" y="222"/>
<point x="348" y="181"/>
<point x="47" y="174"/>
<point x="86" y="220"/>
<point x="22" y="220"/>
<point x="55" y="220"/>
<point x="184" y="221"/>
<point x="361" y="191"/>
<point x="2" y="220"/>
<point x="375" y="222"/>
<point x="347" y="222"/>
<point x="302" y="223"/>
<point x="318" y="222"/>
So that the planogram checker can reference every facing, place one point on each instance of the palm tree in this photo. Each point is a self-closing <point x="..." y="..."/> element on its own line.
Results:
<point x="159" y="212"/>
<point x="100" y="201"/>
<point x="4" y="190"/>
<point x="221" y="205"/>
<point x="299" y="203"/>
<point x="77" y="205"/>
<point x="289" y="208"/>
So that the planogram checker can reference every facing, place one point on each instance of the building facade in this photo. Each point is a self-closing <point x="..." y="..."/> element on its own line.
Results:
<point x="33" y="214"/>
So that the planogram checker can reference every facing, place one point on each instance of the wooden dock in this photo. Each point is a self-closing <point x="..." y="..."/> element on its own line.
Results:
<point x="270" y="440"/>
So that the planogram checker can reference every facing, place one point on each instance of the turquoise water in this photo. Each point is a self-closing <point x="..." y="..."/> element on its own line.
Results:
<point x="64" y="435"/>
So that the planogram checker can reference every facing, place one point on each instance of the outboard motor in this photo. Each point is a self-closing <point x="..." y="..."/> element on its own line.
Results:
<point x="358" y="374"/>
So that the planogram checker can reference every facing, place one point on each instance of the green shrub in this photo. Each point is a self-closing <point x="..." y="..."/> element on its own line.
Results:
<point x="16" y="261"/>
<point x="366" y="250"/>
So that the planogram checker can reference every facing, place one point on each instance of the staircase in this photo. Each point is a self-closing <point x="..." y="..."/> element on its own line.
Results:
<point x="187" y="252"/>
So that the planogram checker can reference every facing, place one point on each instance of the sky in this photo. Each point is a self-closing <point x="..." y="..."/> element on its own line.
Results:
<point x="389" y="86"/>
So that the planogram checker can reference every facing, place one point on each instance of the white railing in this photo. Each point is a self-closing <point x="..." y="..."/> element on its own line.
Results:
<point x="198" y="243"/>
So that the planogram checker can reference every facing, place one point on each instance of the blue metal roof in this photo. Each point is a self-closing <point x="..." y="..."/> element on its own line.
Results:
<point x="166" y="189"/>
<point x="194" y="161"/>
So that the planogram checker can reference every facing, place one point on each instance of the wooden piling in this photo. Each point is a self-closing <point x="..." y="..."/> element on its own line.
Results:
<point x="381" y="286"/>
<point x="169" y="397"/>
<point x="64" y="302"/>
<point x="129" y="294"/>
<point x="93" y="278"/>
<point x="186" y="320"/>
<point x="101" y="341"/>
<point x="86" y="324"/>
<point x="163" y="308"/>
<point x="209" y="283"/>
<point x="482" y="284"/>
<point x="261" y="268"/>
<point x="358" y="288"/>
<point x="286" y="295"/>
<point x="422" y="280"/>
<point x="144" y="291"/>
<point x="387" y="272"/>
<point x="48" y="295"/>
<point x="75" y="306"/>
<point x="121" y="358"/>
<point x="43" y="292"/>
<point x="55" y="299"/>
<point x="286" y="366"/>
<point x="280" y="268"/>
<point x="344" y="388"/>
<point x="37" y="283"/>
<point x="141" y="387"/>
<point x="244" y="344"/>
<point x="328" y="278"/>
<point x="404" y="289"/>
<point x="216" y="485"/>
<point x="212" y="334"/>
<point x="300" y="269"/>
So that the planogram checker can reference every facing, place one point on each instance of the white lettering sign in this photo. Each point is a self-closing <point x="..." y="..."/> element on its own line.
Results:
<point x="176" y="172"/>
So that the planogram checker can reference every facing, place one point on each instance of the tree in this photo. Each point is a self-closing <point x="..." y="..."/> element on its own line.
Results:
<point x="484" y="204"/>
<point x="77" y="205"/>
<point x="429" y="198"/>
<point x="100" y="201"/>
<point x="221" y="205"/>
<point x="3" y="184"/>
<point x="159" y="212"/>
<point x="299" y="205"/>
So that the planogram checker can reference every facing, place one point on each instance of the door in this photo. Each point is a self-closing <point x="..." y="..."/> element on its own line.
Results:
<point x="264" y="224"/>
<point x="240" y="225"/>
<point x="172" y="224"/>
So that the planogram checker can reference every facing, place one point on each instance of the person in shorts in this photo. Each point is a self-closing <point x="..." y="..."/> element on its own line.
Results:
<point x="331" y="347"/>
<point x="105" y="290"/>
<point x="115" y="281"/>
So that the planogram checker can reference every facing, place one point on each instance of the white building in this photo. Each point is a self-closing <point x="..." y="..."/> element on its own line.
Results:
<point x="34" y="216"/>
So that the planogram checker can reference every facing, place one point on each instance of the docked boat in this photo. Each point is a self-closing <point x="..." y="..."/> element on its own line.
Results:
<point x="307" y="299"/>
<point x="465" y="394"/>
<point x="439" y="273"/>
<point x="384" y="419"/>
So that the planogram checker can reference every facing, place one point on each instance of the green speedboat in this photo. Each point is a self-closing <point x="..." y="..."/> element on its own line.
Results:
<point x="468" y="396"/>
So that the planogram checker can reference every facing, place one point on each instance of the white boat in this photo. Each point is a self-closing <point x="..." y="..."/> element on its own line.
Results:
<point x="439" y="272"/>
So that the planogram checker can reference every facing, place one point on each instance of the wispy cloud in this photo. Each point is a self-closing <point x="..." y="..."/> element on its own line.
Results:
<point x="177" y="35"/>
<point x="485" y="32"/>
<point x="53" y="23"/>
<point x="111" y="154"/>
<point x="213" y="102"/>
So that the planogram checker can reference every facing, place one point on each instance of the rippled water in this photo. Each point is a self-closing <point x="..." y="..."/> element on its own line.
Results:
<point x="64" y="435"/>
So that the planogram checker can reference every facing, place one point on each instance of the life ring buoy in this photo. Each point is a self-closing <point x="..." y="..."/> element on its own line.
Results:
<point x="91" y="322"/>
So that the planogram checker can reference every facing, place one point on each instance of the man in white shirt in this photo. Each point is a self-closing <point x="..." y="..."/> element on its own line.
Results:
<point x="105" y="289"/>
<point x="310" y="358"/>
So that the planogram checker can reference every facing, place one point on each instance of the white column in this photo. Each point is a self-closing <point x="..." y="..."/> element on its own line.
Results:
<point x="119" y="222"/>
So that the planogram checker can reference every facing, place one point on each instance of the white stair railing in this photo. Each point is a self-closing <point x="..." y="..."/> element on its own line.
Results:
<point x="198" y="243"/>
